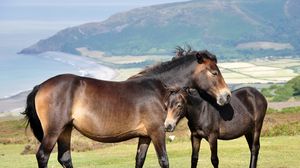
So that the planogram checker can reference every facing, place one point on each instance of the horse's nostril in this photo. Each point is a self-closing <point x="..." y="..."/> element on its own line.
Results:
<point x="228" y="97"/>
<point x="169" y="127"/>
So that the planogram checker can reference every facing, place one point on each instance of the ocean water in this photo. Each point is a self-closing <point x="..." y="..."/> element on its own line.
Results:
<point x="19" y="72"/>
<point x="22" y="72"/>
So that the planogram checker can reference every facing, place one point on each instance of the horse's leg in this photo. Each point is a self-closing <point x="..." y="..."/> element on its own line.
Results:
<point x="249" y="138"/>
<point x="159" y="143"/>
<point x="63" y="144"/>
<point x="255" y="147"/>
<point x="142" y="151"/>
<point x="196" y="142"/>
<point x="45" y="149"/>
<point x="213" y="143"/>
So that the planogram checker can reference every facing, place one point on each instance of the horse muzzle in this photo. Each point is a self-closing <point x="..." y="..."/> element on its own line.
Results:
<point x="170" y="126"/>
<point x="223" y="98"/>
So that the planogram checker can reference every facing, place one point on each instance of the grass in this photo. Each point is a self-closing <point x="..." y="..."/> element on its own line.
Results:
<point x="280" y="147"/>
<point x="275" y="152"/>
<point x="12" y="131"/>
<point x="284" y="110"/>
<point x="291" y="128"/>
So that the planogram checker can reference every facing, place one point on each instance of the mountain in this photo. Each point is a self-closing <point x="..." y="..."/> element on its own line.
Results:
<point x="12" y="106"/>
<point x="229" y="28"/>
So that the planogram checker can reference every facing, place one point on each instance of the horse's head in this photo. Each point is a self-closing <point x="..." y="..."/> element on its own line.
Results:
<point x="176" y="108"/>
<point x="207" y="77"/>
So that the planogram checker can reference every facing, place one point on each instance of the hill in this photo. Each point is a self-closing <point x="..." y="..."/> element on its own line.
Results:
<point x="227" y="27"/>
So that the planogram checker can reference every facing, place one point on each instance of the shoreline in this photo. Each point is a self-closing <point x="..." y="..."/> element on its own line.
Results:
<point x="14" y="103"/>
<point x="20" y="73"/>
<point x="84" y="65"/>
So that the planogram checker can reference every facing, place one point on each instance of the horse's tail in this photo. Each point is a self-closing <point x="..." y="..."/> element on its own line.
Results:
<point x="31" y="115"/>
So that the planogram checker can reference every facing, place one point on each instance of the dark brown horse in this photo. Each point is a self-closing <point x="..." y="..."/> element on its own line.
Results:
<point x="244" y="115"/>
<point x="171" y="74"/>
<point x="115" y="111"/>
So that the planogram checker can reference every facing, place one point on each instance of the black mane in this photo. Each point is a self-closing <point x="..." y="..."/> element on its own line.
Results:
<point x="182" y="52"/>
<point x="182" y="56"/>
<point x="165" y="66"/>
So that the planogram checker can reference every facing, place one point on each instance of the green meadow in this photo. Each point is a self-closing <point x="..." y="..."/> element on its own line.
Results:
<point x="280" y="147"/>
<point x="276" y="152"/>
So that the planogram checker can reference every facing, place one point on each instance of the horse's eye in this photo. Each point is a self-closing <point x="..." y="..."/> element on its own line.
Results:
<point x="214" y="73"/>
<point x="179" y="105"/>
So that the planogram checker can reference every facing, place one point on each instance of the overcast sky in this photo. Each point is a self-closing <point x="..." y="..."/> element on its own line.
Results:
<point x="70" y="10"/>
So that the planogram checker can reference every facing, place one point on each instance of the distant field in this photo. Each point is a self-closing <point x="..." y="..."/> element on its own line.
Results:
<point x="276" y="152"/>
<point x="254" y="71"/>
<point x="260" y="71"/>
<point x="257" y="71"/>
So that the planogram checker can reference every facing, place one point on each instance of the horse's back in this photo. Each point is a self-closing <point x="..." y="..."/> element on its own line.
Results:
<point x="252" y="100"/>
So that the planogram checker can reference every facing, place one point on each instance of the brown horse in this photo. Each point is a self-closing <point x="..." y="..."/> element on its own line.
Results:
<point x="244" y="115"/>
<point x="114" y="111"/>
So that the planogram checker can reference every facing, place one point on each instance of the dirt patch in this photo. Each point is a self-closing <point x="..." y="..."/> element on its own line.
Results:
<point x="281" y="105"/>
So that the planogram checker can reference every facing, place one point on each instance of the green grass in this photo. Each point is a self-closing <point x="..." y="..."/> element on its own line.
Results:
<point x="276" y="152"/>
<point x="295" y="109"/>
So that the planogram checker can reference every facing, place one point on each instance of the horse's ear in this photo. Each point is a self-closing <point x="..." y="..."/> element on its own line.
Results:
<point x="200" y="57"/>
<point x="170" y="91"/>
<point x="186" y="89"/>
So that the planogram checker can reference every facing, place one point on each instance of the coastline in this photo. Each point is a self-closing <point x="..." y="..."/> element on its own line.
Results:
<point x="84" y="65"/>
<point x="13" y="104"/>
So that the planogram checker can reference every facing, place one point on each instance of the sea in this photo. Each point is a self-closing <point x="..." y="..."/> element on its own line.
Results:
<point x="20" y="72"/>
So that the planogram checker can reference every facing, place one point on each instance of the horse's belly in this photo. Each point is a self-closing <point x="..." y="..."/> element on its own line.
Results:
<point x="234" y="130"/>
<point x="108" y="129"/>
<point x="109" y="138"/>
<point x="110" y="134"/>
<point x="230" y="135"/>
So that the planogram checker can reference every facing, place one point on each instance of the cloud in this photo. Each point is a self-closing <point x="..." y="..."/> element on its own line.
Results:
<point x="265" y="45"/>
<point x="71" y="3"/>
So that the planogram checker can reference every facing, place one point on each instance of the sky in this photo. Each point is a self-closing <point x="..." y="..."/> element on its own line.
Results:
<point x="24" y="22"/>
<point x="68" y="10"/>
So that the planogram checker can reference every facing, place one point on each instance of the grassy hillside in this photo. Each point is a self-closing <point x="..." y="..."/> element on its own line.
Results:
<point x="290" y="90"/>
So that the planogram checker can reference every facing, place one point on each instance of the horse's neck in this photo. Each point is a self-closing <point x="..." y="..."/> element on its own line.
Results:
<point x="194" y="105"/>
<point x="178" y="76"/>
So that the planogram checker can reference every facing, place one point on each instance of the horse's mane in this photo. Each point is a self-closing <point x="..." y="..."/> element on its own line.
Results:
<point x="182" y="55"/>
<point x="181" y="52"/>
